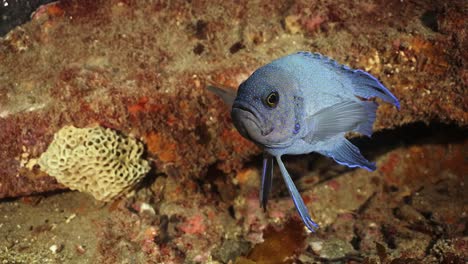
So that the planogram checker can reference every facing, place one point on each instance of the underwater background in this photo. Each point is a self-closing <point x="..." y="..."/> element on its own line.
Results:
<point x="137" y="72"/>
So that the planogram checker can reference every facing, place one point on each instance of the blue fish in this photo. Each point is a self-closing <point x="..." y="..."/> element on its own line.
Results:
<point x="302" y="103"/>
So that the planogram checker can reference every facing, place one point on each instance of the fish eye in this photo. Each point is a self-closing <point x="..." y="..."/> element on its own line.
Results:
<point x="272" y="99"/>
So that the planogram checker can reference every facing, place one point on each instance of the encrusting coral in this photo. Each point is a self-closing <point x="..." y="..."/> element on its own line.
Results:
<point x="95" y="160"/>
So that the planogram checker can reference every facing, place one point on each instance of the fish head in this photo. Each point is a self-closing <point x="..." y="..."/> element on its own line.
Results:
<point x="268" y="107"/>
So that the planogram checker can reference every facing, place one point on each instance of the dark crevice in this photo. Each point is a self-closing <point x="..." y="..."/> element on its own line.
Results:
<point x="232" y="212"/>
<point x="409" y="135"/>
<point x="380" y="143"/>
<point x="389" y="233"/>
<point x="15" y="13"/>
<point x="429" y="19"/>
<point x="412" y="134"/>
<point x="408" y="199"/>
<point x="163" y="235"/>
<point x="356" y="240"/>
<point x="431" y="244"/>
<point x="465" y="231"/>
<point x="365" y="205"/>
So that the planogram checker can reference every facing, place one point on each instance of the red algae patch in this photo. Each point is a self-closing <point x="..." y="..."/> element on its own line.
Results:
<point x="161" y="146"/>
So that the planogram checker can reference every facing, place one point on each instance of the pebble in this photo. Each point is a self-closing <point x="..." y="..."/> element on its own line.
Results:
<point x="145" y="207"/>
<point x="70" y="218"/>
<point x="80" y="249"/>
<point x="56" y="248"/>
<point x="53" y="248"/>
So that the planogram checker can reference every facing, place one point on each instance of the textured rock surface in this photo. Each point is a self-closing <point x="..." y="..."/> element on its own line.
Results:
<point x="141" y="67"/>
<point x="402" y="213"/>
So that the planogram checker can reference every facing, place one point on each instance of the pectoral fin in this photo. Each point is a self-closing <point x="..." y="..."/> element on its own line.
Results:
<point x="342" y="117"/>
<point x="267" y="179"/>
<point x="297" y="199"/>
<point x="345" y="153"/>
<point x="226" y="94"/>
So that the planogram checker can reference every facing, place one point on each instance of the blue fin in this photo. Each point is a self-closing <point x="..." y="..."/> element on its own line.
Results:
<point x="364" y="84"/>
<point x="365" y="127"/>
<point x="367" y="86"/>
<point x="345" y="153"/>
<point x="267" y="179"/>
<point x="342" y="117"/>
<point x="226" y="94"/>
<point x="297" y="199"/>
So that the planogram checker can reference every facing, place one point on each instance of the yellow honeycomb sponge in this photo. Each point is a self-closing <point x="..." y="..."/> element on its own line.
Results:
<point x="95" y="160"/>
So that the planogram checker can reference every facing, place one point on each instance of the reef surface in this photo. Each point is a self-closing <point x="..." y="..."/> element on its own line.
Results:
<point x="142" y="67"/>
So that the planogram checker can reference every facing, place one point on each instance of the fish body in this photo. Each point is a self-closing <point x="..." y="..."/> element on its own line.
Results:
<point x="304" y="103"/>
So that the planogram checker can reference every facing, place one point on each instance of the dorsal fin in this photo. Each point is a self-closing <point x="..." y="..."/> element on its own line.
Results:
<point x="363" y="83"/>
<point x="226" y="94"/>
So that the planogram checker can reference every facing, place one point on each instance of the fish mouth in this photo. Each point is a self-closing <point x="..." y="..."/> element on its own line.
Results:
<point x="249" y="121"/>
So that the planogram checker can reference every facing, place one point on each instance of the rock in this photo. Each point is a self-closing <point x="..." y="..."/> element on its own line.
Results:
<point x="331" y="248"/>
<point x="231" y="249"/>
